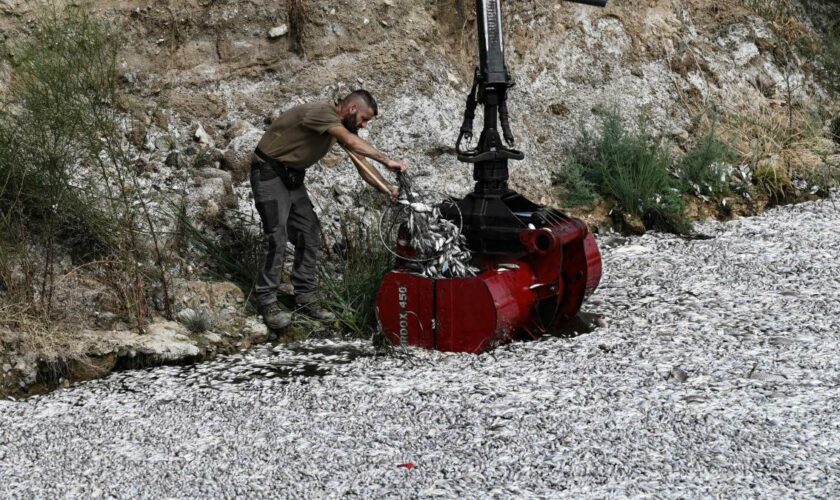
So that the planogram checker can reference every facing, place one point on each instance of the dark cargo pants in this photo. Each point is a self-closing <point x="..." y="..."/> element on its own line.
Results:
<point x="286" y="215"/>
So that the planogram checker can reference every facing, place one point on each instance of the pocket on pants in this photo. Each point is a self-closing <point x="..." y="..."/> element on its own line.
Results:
<point x="269" y="215"/>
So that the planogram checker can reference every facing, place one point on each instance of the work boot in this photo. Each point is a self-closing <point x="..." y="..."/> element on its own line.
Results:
<point x="315" y="311"/>
<point x="274" y="317"/>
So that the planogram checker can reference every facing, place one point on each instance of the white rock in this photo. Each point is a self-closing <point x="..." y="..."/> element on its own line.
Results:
<point x="453" y="80"/>
<point x="239" y="128"/>
<point x="207" y="199"/>
<point x="246" y="141"/>
<point x="213" y="337"/>
<point x="202" y="136"/>
<point x="278" y="31"/>
<point x="745" y="53"/>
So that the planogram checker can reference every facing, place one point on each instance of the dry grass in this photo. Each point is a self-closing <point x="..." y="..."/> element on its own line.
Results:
<point x="783" y="15"/>
<point x="779" y="135"/>
<point x="48" y="342"/>
<point x="781" y="142"/>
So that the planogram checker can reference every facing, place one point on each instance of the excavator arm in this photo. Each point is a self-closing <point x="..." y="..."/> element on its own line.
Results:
<point x="490" y="85"/>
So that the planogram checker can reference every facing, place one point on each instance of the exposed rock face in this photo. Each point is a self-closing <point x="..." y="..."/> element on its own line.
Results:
<point x="227" y="63"/>
<point x="237" y="157"/>
<point x="168" y="340"/>
<point x="211" y="194"/>
<point x="220" y="298"/>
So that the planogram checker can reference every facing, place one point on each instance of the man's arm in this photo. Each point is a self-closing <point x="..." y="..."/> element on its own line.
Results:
<point x="372" y="175"/>
<point x="359" y="146"/>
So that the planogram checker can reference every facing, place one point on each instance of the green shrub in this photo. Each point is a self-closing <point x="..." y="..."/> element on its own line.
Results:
<point x="63" y="74"/>
<point x="351" y="293"/>
<point x="630" y="168"/>
<point x="578" y="190"/>
<point x="66" y="172"/>
<point x="703" y="170"/>
<point x="47" y="128"/>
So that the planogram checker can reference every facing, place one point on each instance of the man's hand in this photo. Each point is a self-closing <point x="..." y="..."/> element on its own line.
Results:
<point x="396" y="165"/>
<point x="359" y="146"/>
<point x="395" y="193"/>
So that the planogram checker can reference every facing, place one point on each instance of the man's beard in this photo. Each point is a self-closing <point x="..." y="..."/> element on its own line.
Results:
<point x="350" y="122"/>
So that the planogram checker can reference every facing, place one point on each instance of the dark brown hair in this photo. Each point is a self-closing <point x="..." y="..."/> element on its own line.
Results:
<point x="364" y="96"/>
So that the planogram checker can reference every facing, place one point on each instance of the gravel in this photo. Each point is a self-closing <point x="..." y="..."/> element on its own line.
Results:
<point x="716" y="372"/>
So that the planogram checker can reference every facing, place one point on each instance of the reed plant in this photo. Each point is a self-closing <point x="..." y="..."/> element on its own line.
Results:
<point x="349" y="285"/>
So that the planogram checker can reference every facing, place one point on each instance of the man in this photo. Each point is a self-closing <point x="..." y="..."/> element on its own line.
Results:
<point x="296" y="140"/>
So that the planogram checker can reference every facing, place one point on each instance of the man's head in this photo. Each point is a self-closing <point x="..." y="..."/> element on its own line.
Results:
<point x="357" y="109"/>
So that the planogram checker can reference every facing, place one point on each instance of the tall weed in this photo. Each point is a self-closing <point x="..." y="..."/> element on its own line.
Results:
<point x="704" y="169"/>
<point x="630" y="168"/>
<point x="66" y="170"/>
<point x="351" y="293"/>
<point x="231" y="250"/>
<point x="349" y="280"/>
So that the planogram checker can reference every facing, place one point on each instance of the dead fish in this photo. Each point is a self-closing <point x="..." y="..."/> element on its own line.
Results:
<point x="420" y="207"/>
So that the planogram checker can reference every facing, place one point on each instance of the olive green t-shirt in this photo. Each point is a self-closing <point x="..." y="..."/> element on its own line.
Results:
<point x="299" y="137"/>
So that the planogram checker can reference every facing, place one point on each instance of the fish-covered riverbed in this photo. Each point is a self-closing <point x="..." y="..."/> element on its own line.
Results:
<point x="717" y="374"/>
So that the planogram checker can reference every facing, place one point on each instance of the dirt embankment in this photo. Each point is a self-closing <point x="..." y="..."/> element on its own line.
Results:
<point x="228" y="67"/>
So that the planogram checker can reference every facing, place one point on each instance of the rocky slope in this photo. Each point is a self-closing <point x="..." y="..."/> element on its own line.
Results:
<point x="193" y="66"/>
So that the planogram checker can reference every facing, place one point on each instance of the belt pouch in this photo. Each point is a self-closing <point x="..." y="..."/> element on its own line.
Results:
<point x="292" y="178"/>
<point x="271" y="168"/>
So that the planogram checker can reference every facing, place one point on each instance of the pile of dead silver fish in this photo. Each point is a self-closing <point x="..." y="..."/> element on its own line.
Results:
<point x="713" y="374"/>
<point x="441" y="249"/>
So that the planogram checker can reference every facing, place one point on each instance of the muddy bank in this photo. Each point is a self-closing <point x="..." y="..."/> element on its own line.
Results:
<point x="36" y="364"/>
